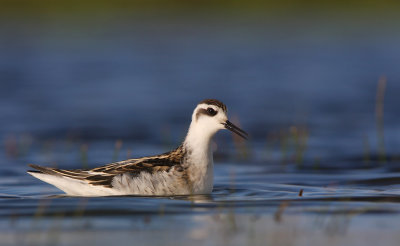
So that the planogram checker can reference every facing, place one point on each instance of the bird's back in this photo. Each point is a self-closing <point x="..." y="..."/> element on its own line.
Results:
<point x="160" y="175"/>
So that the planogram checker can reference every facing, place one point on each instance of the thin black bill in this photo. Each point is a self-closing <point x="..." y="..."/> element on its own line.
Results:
<point x="231" y="127"/>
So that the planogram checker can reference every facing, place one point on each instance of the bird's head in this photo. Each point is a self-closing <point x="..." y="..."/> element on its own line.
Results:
<point x="210" y="116"/>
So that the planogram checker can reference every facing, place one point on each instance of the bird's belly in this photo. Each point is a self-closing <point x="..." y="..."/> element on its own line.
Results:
<point x="156" y="184"/>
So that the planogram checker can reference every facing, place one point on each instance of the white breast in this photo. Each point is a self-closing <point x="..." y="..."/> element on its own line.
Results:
<point x="201" y="171"/>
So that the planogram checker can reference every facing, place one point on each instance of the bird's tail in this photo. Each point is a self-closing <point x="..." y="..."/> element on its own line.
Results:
<point x="54" y="176"/>
<point x="42" y="170"/>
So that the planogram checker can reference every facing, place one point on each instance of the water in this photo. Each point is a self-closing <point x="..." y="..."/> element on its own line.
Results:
<point x="251" y="204"/>
<point x="313" y="172"/>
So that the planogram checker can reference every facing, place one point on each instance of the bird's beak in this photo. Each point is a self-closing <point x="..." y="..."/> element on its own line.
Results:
<point x="231" y="127"/>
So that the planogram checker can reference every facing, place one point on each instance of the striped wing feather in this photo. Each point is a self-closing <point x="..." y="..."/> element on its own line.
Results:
<point x="104" y="175"/>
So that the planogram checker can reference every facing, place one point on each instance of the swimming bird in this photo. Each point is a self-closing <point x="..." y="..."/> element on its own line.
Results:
<point x="186" y="170"/>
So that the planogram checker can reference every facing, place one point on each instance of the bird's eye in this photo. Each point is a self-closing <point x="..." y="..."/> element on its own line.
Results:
<point x="211" y="111"/>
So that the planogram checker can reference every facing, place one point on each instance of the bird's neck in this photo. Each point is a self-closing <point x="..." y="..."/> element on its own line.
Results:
<point x="197" y="142"/>
<point x="199" y="160"/>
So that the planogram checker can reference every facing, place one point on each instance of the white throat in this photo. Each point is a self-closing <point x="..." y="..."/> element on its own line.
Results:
<point x="198" y="145"/>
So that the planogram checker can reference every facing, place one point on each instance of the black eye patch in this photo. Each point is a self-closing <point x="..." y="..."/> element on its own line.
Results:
<point x="211" y="111"/>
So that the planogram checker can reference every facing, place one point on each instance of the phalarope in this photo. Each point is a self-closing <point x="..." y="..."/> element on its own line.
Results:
<point x="186" y="170"/>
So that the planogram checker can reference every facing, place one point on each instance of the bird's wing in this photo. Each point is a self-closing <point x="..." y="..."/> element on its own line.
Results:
<point x="104" y="175"/>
